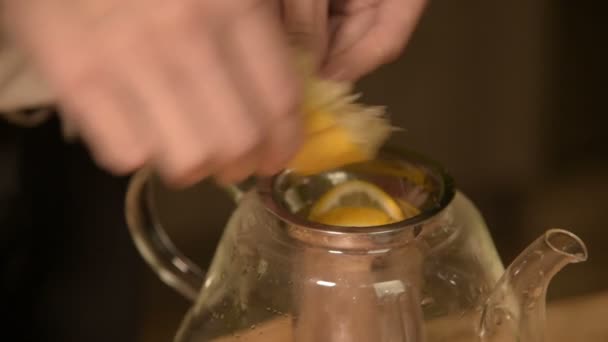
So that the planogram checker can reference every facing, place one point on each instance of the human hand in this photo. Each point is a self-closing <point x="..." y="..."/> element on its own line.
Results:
<point x="193" y="87"/>
<point x="198" y="87"/>
<point x="350" y="38"/>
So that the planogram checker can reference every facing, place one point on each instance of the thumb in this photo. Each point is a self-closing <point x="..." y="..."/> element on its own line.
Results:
<point x="306" y="24"/>
<point x="370" y="36"/>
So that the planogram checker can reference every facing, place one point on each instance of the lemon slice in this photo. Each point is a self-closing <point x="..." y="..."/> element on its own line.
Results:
<point x="356" y="203"/>
<point x="354" y="217"/>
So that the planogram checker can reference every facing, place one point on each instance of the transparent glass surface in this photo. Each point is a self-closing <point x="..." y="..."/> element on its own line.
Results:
<point x="278" y="277"/>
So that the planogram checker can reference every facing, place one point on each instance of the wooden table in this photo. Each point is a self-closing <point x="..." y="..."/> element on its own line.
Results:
<point x="581" y="319"/>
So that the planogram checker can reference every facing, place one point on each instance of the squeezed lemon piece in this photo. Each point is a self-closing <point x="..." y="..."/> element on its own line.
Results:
<point x="338" y="130"/>
<point x="318" y="121"/>
<point x="327" y="150"/>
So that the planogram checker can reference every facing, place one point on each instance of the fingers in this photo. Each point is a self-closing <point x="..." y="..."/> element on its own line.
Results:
<point x="231" y="84"/>
<point x="168" y="86"/>
<point x="198" y="88"/>
<point x="284" y="141"/>
<point x="369" y="37"/>
<point x="117" y="142"/>
<point x="264" y="68"/>
<point x="91" y="99"/>
<point x="177" y="148"/>
<point x="225" y="128"/>
<point x="306" y="23"/>
<point x="234" y="171"/>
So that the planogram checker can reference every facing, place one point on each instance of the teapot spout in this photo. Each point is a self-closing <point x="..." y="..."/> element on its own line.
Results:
<point x="515" y="310"/>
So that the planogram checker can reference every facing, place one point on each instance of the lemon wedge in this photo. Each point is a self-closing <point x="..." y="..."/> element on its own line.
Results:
<point x="357" y="203"/>
<point x="338" y="130"/>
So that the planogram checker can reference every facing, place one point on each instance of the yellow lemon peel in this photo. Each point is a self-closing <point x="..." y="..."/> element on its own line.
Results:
<point x="326" y="150"/>
<point x="338" y="130"/>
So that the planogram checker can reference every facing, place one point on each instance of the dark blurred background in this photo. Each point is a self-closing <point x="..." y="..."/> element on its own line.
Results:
<point x="510" y="96"/>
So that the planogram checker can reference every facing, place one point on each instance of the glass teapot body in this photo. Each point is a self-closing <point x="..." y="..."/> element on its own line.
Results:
<point x="278" y="277"/>
<point x="266" y="284"/>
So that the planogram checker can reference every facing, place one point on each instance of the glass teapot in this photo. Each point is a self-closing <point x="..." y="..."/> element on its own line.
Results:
<point x="277" y="276"/>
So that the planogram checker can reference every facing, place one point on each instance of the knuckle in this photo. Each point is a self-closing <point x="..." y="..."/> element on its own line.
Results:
<point x="302" y="30"/>
<point x="285" y="104"/>
<point x="82" y="77"/>
<point x="120" y="162"/>
<point x="184" y="171"/>
<point x="391" y="50"/>
<point x="243" y="139"/>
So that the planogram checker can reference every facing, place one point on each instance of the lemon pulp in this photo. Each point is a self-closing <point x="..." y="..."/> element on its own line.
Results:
<point x="354" y="217"/>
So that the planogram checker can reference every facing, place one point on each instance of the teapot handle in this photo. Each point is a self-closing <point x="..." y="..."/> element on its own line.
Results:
<point x="153" y="243"/>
